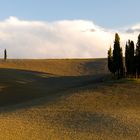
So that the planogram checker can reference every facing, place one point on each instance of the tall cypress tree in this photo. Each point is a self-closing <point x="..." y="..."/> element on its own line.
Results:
<point x="138" y="57"/>
<point x="130" y="58"/>
<point x="117" y="56"/>
<point x="122" y="68"/>
<point x="5" y="54"/>
<point x="127" y="57"/>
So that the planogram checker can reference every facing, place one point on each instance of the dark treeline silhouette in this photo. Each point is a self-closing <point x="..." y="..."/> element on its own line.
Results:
<point x="116" y="65"/>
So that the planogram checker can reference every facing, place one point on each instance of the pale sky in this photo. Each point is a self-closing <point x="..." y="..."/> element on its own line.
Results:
<point x="66" y="29"/>
<point x="107" y="13"/>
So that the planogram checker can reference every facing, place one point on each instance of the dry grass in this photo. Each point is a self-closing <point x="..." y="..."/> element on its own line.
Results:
<point x="68" y="107"/>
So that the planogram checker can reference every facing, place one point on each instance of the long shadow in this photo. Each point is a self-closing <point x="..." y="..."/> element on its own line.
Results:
<point x="97" y="66"/>
<point x="21" y="86"/>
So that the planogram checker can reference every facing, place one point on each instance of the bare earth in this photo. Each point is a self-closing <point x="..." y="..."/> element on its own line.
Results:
<point x="66" y="99"/>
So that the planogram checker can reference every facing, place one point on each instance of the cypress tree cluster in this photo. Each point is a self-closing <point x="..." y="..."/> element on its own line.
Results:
<point x="115" y="58"/>
<point x="116" y="65"/>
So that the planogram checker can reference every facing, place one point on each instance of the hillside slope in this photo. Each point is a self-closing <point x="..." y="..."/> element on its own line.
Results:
<point x="66" y="100"/>
<point x="63" y="67"/>
<point x="23" y="80"/>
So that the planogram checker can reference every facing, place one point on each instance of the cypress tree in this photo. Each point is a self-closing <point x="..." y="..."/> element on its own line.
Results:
<point x="130" y="58"/>
<point x="110" y="61"/>
<point x="127" y="57"/>
<point x="122" y="68"/>
<point x="117" y="57"/>
<point x="138" y="57"/>
<point x="5" y="54"/>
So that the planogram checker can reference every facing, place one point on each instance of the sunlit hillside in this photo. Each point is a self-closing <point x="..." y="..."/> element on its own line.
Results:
<point x="68" y="67"/>
<point x="66" y="100"/>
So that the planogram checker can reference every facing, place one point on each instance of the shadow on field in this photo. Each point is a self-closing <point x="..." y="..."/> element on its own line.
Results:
<point x="18" y="86"/>
<point x="99" y="66"/>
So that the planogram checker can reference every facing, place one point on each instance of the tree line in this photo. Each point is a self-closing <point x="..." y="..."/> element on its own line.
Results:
<point x="128" y="66"/>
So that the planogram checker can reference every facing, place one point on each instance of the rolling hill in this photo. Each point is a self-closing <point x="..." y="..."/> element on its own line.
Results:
<point x="66" y="99"/>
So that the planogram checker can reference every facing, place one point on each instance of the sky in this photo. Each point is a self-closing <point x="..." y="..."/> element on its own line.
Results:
<point x="66" y="28"/>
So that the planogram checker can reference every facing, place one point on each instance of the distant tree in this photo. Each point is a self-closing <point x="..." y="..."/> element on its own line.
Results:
<point x="118" y="57"/>
<point x="138" y="57"/>
<point x="5" y="54"/>
<point x="110" y="61"/>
